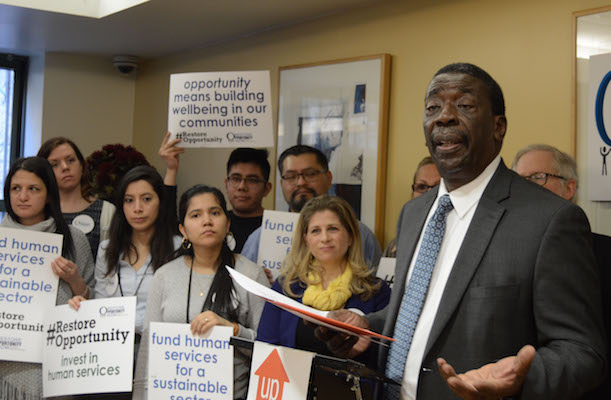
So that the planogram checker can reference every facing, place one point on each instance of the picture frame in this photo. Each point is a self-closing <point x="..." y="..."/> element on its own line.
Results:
<point x="341" y="108"/>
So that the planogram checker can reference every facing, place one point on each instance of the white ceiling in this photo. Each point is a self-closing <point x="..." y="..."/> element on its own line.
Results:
<point x="159" y="27"/>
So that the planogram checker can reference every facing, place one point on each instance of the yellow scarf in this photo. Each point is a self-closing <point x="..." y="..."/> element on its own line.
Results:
<point x="333" y="297"/>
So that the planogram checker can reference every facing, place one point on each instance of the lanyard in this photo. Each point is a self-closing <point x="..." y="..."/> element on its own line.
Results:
<point x="139" y="283"/>
<point x="189" y="292"/>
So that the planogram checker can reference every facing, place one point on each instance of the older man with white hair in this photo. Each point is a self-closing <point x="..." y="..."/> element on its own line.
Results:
<point x="549" y="167"/>
<point x="557" y="171"/>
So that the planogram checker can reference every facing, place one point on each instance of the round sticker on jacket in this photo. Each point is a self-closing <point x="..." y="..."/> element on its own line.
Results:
<point x="83" y="222"/>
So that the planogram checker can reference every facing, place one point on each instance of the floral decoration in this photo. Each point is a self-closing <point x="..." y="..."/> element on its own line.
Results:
<point x="107" y="166"/>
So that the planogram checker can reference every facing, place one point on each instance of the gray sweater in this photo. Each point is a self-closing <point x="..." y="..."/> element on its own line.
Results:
<point x="167" y="302"/>
<point x="23" y="381"/>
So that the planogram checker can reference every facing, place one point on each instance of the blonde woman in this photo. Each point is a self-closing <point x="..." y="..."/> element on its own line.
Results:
<point x="325" y="270"/>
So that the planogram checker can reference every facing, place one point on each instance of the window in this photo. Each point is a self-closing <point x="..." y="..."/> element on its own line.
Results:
<point x="13" y="70"/>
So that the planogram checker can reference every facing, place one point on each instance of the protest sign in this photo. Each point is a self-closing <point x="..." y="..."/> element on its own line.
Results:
<point x="276" y="239"/>
<point x="221" y="109"/>
<point x="279" y="373"/>
<point x="90" y="350"/>
<point x="28" y="290"/>
<point x="386" y="270"/>
<point x="183" y="366"/>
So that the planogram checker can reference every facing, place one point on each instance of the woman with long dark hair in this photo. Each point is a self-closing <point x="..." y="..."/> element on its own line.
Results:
<point x="141" y="240"/>
<point x="32" y="202"/>
<point x="78" y="205"/>
<point x="196" y="288"/>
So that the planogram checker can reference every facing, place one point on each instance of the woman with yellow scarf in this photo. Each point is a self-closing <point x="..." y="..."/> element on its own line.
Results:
<point x="325" y="270"/>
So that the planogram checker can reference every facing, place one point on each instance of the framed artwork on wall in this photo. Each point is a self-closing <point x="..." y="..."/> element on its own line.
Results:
<point x="341" y="108"/>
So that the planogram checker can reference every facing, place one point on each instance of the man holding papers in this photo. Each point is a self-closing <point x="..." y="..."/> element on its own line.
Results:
<point x="508" y="292"/>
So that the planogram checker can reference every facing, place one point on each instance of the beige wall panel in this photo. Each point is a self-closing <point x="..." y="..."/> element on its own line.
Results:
<point x="88" y="100"/>
<point x="525" y="45"/>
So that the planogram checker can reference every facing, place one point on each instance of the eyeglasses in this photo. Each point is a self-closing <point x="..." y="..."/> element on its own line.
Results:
<point x="421" y="187"/>
<point x="309" y="175"/>
<point x="251" y="181"/>
<point x="540" y="178"/>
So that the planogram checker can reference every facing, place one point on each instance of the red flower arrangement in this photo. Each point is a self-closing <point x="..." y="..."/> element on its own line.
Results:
<point x="107" y="166"/>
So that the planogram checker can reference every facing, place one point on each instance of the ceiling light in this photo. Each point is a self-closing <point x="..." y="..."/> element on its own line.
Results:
<point x="85" y="8"/>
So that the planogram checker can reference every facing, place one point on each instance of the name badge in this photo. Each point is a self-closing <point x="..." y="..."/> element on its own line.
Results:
<point x="84" y="223"/>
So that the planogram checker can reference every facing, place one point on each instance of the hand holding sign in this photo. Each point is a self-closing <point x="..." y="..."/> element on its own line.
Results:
<point x="76" y="301"/>
<point x="206" y="320"/>
<point x="170" y="153"/>
<point x="68" y="271"/>
<point x="65" y="269"/>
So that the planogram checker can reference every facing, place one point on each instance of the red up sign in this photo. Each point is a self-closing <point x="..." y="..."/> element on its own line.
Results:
<point x="272" y="377"/>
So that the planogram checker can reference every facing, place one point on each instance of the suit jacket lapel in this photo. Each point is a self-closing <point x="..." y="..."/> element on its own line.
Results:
<point x="412" y="224"/>
<point x="480" y="232"/>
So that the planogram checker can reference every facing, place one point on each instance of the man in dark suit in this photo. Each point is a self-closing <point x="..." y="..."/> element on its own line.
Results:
<point x="513" y="300"/>
<point x="557" y="172"/>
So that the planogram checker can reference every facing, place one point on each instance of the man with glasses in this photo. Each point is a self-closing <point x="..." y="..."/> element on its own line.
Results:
<point x="496" y="291"/>
<point x="548" y="167"/>
<point x="247" y="183"/>
<point x="305" y="174"/>
<point x="557" y="171"/>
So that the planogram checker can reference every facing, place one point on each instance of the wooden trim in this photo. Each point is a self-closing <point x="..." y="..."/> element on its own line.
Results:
<point x="382" y="148"/>
<point x="591" y="11"/>
<point x="381" y="56"/>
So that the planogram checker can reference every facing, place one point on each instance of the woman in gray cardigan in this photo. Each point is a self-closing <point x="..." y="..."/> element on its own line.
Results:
<point x="32" y="202"/>
<point x="196" y="288"/>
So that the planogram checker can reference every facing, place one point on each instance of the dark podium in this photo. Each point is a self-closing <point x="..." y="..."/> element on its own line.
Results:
<point x="334" y="378"/>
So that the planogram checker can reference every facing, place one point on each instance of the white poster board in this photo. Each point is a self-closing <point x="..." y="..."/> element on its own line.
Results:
<point x="277" y="230"/>
<point x="90" y="350"/>
<point x="279" y="373"/>
<point x="221" y="109"/>
<point x="28" y="291"/>
<point x="189" y="367"/>
<point x="599" y="128"/>
<point x="386" y="270"/>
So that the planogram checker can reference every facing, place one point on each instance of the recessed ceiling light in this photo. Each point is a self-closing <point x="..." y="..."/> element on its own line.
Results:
<point x="85" y="8"/>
